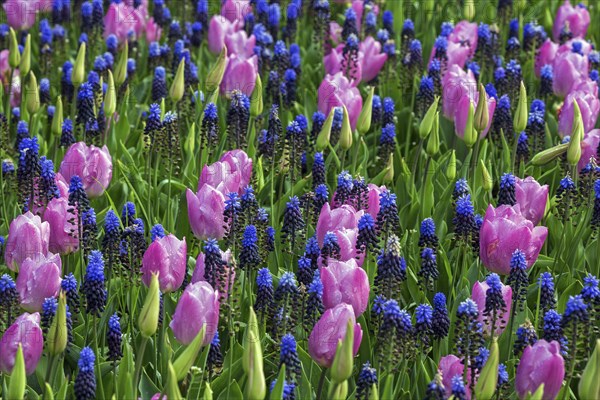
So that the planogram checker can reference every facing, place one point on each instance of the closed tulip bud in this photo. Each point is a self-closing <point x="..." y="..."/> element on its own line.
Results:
<point x="324" y="135"/>
<point x="121" y="68"/>
<point x="486" y="178"/>
<point x="256" y="101"/>
<point x="58" y="335"/>
<point x="215" y="75"/>
<point x="110" y="98"/>
<point x="374" y="392"/>
<point x="341" y="369"/>
<point x="470" y="136"/>
<point x="482" y="112"/>
<point x="172" y="391"/>
<point x="364" y="119"/>
<point x="25" y="64"/>
<point x="389" y="170"/>
<point x="488" y="378"/>
<point x="520" y="119"/>
<point x="57" y="119"/>
<point x="251" y="327"/>
<point x="148" y="320"/>
<point x="48" y="394"/>
<point x="545" y="156"/>
<point x="33" y="94"/>
<point x="346" y="133"/>
<point x="451" y="168"/>
<point x="433" y="144"/>
<point x="178" y="86"/>
<point x="189" y="146"/>
<point x="18" y="377"/>
<point x="78" y="72"/>
<point x="574" y="149"/>
<point x="14" y="55"/>
<point x="256" y="387"/>
<point x="208" y="393"/>
<point x="589" y="384"/>
<point x="339" y="391"/>
<point x="469" y="9"/>
<point x="428" y="119"/>
<point x="186" y="359"/>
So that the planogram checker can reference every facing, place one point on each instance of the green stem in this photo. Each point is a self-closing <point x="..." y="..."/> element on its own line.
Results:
<point x="138" y="363"/>
<point x="321" y="383"/>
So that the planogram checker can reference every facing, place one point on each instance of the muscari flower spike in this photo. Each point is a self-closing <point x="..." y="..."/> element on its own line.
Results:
<point x="440" y="320"/>
<point x="85" y="382"/>
<point x="526" y="336"/>
<point x="93" y="286"/>
<point x="288" y="356"/>
<point x="367" y="377"/>
<point x="547" y="296"/>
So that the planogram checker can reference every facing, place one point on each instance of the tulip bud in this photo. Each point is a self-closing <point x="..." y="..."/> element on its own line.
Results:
<point x="451" y="168"/>
<point x="256" y="387"/>
<point x="215" y="75"/>
<point x="374" y="392"/>
<point x="589" y="384"/>
<point x="470" y="136"/>
<point x="520" y="119"/>
<point x="574" y="149"/>
<point x="364" y="119"/>
<point x="14" y="55"/>
<point x="187" y="358"/>
<point x="433" y="144"/>
<point x="323" y="137"/>
<point x="18" y="377"/>
<point x="110" y="98"/>
<point x="121" y="68"/>
<point x="545" y="156"/>
<point x="341" y="369"/>
<point x="488" y="378"/>
<point x="48" y="394"/>
<point x="346" y="133"/>
<point x="256" y="101"/>
<point x="486" y="178"/>
<point x="33" y="94"/>
<point x="178" y="85"/>
<point x="172" y="391"/>
<point x="148" y="320"/>
<point x="339" y="391"/>
<point x="58" y="333"/>
<point x="208" y="393"/>
<point x="78" y="72"/>
<point x="252" y="326"/>
<point x="482" y="113"/>
<point x="389" y="170"/>
<point x="25" y="64"/>
<point x="469" y="9"/>
<point x="428" y="119"/>
<point x="57" y="119"/>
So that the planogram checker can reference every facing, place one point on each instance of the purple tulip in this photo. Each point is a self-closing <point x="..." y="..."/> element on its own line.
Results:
<point x="331" y="220"/>
<point x="478" y="294"/>
<point x="235" y="9"/>
<point x="26" y="331"/>
<point x="219" y="28"/>
<point x="505" y="230"/>
<point x="589" y="105"/>
<point x="574" y="19"/>
<point x="450" y="366"/>
<point x="166" y="256"/>
<point x="38" y="279"/>
<point x="123" y="19"/>
<point x="222" y="177"/>
<point x="462" y="43"/>
<point x="224" y="280"/>
<point x="205" y="212"/>
<point x="457" y="85"/>
<point x="330" y="329"/>
<point x="532" y="198"/>
<point x="240" y="164"/>
<point x="345" y="282"/>
<point x="21" y="14"/>
<point x="28" y="236"/>
<point x="239" y="44"/>
<point x="370" y="60"/>
<point x="540" y="364"/>
<point x="62" y="225"/>
<point x="198" y="305"/>
<point x="545" y="55"/>
<point x="333" y="34"/>
<point x="373" y="199"/>
<point x="240" y="74"/>
<point x="337" y="91"/>
<point x="462" y="114"/>
<point x="92" y="164"/>
<point x="589" y="148"/>
<point x="569" y="69"/>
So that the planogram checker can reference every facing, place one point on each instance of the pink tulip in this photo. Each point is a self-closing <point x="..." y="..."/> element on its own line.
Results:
<point x="38" y="279"/>
<point x="330" y="329"/>
<point x="28" y="237"/>
<point x="121" y="20"/>
<point x="589" y="105"/>
<point x="4" y="66"/>
<point x="545" y="55"/>
<point x="540" y="364"/>
<point x="336" y="91"/>
<point x="92" y="164"/>
<point x="222" y="176"/>
<point x="569" y="69"/>
<point x="153" y="31"/>
<point x="240" y="74"/>
<point x="62" y="226"/>
<point x="462" y="114"/>
<point x="478" y="294"/>
<point x="574" y="19"/>
<point x="218" y="28"/>
<point x="372" y="59"/>
<point x="62" y="184"/>
<point x="15" y="93"/>
<point x="456" y="85"/>
<point x="241" y="164"/>
<point x="589" y="148"/>
<point x="344" y="217"/>
<point x="239" y="44"/>
<point x="21" y="14"/>
<point x="345" y="282"/>
<point x="585" y="47"/>
<point x="333" y="60"/>
<point x="334" y="34"/>
<point x="26" y="331"/>
<point x="373" y="199"/>
<point x="198" y="305"/>
<point x="532" y="198"/>
<point x="166" y="256"/>
<point x="224" y="282"/>
<point x="505" y="230"/>
<point x="205" y="212"/>
<point x="465" y="33"/>
<point x="235" y="9"/>
<point x="450" y="366"/>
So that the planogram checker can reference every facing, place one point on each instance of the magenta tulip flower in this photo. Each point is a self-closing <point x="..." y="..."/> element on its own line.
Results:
<point x="92" y="164"/>
<point x="198" y="305"/>
<point x="532" y="198"/>
<point x="569" y="69"/>
<point x="571" y="19"/>
<point x="224" y="281"/>
<point x="21" y="14"/>
<point x="222" y="177"/>
<point x="462" y="114"/>
<point x="38" y="279"/>
<point x="205" y="212"/>
<point x="589" y="105"/>
<point x="333" y="34"/>
<point x="166" y="256"/>
<point x="235" y="9"/>
<point x="330" y="329"/>
<point x="373" y="199"/>
<point x="589" y="148"/>
<point x="241" y="164"/>
<point x="26" y="331"/>
<point x="240" y="74"/>
<point x="465" y="33"/>
<point x="239" y="44"/>
<point x="153" y="31"/>
<point x="122" y="20"/>
<point x="371" y="58"/>
<point x="345" y="282"/>
<point x="545" y="55"/>
<point x="450" y="366"/>
<point x="331" y="220"/>
<point x="28" y="237"/>
<point x="337" y="91"/>
<point x="540" y="364"/>
<point x="62" y="226"/>
<point x="218" y="29"/>
<point x="478" y="295"/>
<point x="457" y="85"/>
<point x="505" y="230"/>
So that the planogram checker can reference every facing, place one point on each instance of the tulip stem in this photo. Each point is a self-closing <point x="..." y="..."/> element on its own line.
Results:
<point x="138" y="363"/>
<point x="321" y="383"/>
<point x="49" y="367"/>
